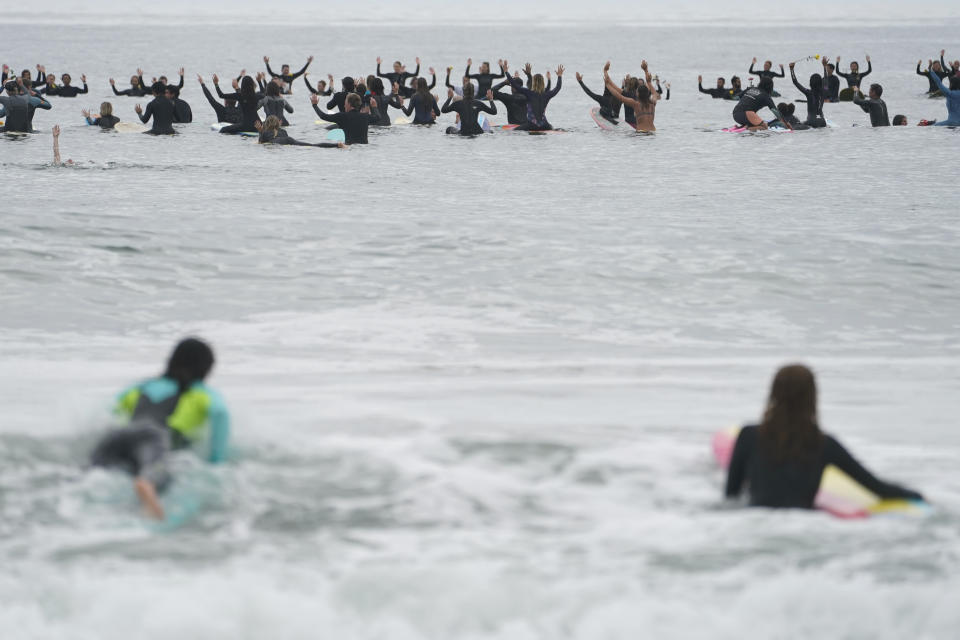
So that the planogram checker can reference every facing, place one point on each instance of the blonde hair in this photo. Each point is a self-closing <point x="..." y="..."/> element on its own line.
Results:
<point x="272" y="123"/>
<point x="538" y="86"/>
<point x="106" y="110"/>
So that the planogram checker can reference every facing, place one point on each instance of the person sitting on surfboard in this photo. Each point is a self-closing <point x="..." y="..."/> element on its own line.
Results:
<point x="484" y="78"/>
<point x="751" y="101"/>
<point x="767" y="73"/>
<point x="854" y="78"/>
<point x="105" y="119"/>
<point x="782" y="459"/>
<point x="468" y="109"/>
<point x="161" y="110"/>
<point x="644" y="105"/>
<point x="814" y="97"/>
<point x="953" y="100"/>
<point x="400" y="74"/>
<point x="609" y="107"/>
<point x="271" y="133"/>
<point x="831" y="83"/>
<point x="720" y="91"/>
<point x="136" y="90"/>
<point x="423" y="105"/>
<point x="173" y="411"/>
<point x="515" y="102"/>
<point x="538" y="97"/>
<point x="933" y="66"/>
<point x="736" y="89"/>
<point x="355" y="119"/>
<point x="874" y="105"/>
<point x="286" y="78"/>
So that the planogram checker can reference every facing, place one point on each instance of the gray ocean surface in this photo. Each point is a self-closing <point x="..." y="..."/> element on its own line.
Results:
<point x="474" y="382"/>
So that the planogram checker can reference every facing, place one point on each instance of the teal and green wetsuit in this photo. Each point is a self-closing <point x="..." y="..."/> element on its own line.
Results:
<point x="194" y="417"/>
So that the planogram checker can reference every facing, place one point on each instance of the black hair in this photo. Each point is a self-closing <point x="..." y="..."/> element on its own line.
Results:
<point x="468" y="91"/>
<point x="954" y="83"/>
<point x="877" y="89"/>
<point x="248" y="89"/>
<point x="899" y="120"/>
<point x="816" y="83"/>
<point x="348" y="84"/>
<point x="191" y="361"/>
<point x="174" y="89"/>
<point x="158" y="88"/>
<point x="376" y="87"/>
<point x="273" y="89"/>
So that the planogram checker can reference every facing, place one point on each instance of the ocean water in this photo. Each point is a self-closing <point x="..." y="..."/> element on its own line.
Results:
<point x="473" y="382"/>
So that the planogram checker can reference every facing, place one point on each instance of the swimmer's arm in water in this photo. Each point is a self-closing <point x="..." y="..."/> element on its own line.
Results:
<point x="56" y="145"/>
<point x="837" y="455"/>
<point x="737" y="472"/>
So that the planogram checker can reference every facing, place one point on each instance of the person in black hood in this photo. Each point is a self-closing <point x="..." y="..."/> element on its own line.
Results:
<point x="161" y="110"/>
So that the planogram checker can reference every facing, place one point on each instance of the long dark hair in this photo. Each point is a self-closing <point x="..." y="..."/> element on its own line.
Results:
<point x="789" y="429"/>
<point x="468" y="91"/>
<point x="190" y="362"/>
<point x="248" y="89"/>
<point x="423" y="90"/>
<point x="816" y="84"/>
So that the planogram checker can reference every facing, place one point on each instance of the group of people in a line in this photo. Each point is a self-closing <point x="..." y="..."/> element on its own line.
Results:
<point x="361" y="103"/>
<point x="778" y="462"/>
<point x="825" y="88"/>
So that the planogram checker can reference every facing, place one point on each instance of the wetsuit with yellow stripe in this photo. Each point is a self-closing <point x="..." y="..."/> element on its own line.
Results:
<point x="196" y="416"/>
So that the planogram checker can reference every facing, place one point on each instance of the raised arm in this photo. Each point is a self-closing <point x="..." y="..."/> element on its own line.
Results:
<point x="781" y="74"/>
<point x="209" y="97"/>
<point x="302" y="71"/>
<point x="491" y="108"/>
<point x="56" y="144"/>
<point x="751" y="71"/>
<point x="314" y="100"/>
<point x="586" y="90"/>
<point x="266" y="61"/>
<point x="615" y="90"/>
<point x="943" y="88"/>
<point x="381" y="75"/>
<point x="796" y="83"/>
<point x="869" y="68"/>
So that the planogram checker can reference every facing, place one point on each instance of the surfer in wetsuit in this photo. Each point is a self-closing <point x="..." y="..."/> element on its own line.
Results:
<point x="286" y="78"/>
<point x="161" y="110"/>
<point x="67" y="90"/>
<point x="831" y="83"/>
<point x="226" y="112"/>
<point x="854" y="78"/>
<point x="136" y="90"/>
<point x="399" y="74"/>
<point x="736" y="89"/>
<point x="781" y="460"/>
<point x="355" y="119"/>
<point x="953" y="100"/>
<point x="933" y="67"/>
<point x="248" y="100"/>
<point x="767" y="73"/>
<point x="423" y="105"/>
<point x="873" y="105"/>
<point x="484" y="78"/>
<point x="105" y="119"/>
<point x="173" y="411"/>
<point x="348" y="86"/>
<point x="720" y="91"/>
<point x="181" y="109"/>
<point x="609" y="106"/>
<point x="323" y="87"/>
<point x="18" y="107"/>
<point x="644" y="105"/>
<point x="271" y="133"/>
<point x="751" y="101"/>
<point x="469" y="110"/>
<point x="538" y="97"/>
<point x="274" y="105"/>
<point x="814" y="97"/>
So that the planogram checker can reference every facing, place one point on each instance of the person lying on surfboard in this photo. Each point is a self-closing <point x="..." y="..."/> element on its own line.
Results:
<point x="644" y="105"/>
<point x="781" y="460"/>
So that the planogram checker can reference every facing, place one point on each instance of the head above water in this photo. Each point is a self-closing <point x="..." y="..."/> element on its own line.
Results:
<point x="767" y="65"/>
<point x="397" y="67"/>
<point x="285" y="69"/>
<point x="643" y="93"/>
<point x="12" y="87"/>
<point x="271" y="124"/>
<point x="721" y="83"/>
<point x="273" y="89"/>
<point x="163" y="79"/>
<point x="376" y="86"/>
<point x="134" y="81"/>
<point x="65" y="79"/>
<point x="790" y="429"/>
<point x="830" y="68"/>
<point x="352" y="102"/>
<point x="936" y="66"/>
<point x="191" y="362"/>
<point x="25" y="74"/>
<point x="106" y="109"/>
<point x="876" y="91"/>
<point x="51" y="79"/>
<point x="173" y="92"/>
<point x="468" y="91"/>
<point x="248" y="88"/>
<point x="854" y="66"/>
<point x="485" y="67"/>
<point x="538" y="85"/>
<point x="348" y="84"/>
<point x="899" y="120"/>
<point x="735" y="82"/>
<point x="816" y="83"/>
<point x="766" y="85"/>
<point x="158" y="89"/>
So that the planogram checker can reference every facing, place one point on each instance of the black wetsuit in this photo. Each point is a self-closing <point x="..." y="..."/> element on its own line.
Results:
<point x="338" y="100"/>
<point x="795" y="484"/>
<point x="767" y="74"/>
<point x="628" y="115"/>
<point x="609" y="106"/>
<point x="182" y="111"/>
<point x="484" y="80"/>
<point x="70" y="91"/>
<point x="536" y="104"/>
<point x="224" y="113"/>
<point x="753" y="99"/>
<point x="288" y="78"/>
<point x="469" y="111"/>
<point x="248" y="112"/>
<point x="854" y="79"/>
<point x="54" y="89"/>
<point x="934" y="89"/>
<point x="163" y="113"/>
<point x="355" y="124"/>
<point x="516" y="104"/>
<point x="399" y="78"/>
<point x="831" y="88"/>
<point x="381" y="111"/>
<point x="139" y="449"/>
<point x="425" y="110"/>
<point x="328" y="92"/>
<point x="719" y="92"/>
<point x="815" y="117"/>
<point x="104" y="122"/>
<point x="877" y="110"/>
<point x="133" y="92"/>
<point x="147" y="90"/>
<point x="410" y="91"/>
<point x="19" y="112"/>
<point x="282" y="138"/>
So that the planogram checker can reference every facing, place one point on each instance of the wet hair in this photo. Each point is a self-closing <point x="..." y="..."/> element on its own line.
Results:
<point x="273" y="89"/>
<point x="631" y="85"/>
<point x="64" y="77"/>
<point x="423" y="90"/>
<point x="734" y="80"/>
<point x="468" y="91"/>
<point x="398" y="63"/>
<point x="721" y="81"/>
<point x="643" y="94"/>
<point x="11" y="86"/>
<point x="272" y="123"/>
<point x="855" y="64"/>
<point x="789" y="429"/>
<point x="766" y="85"/>
<point x="174" y="89"/>
<point x="376" y="86"/>
<point x="158" y="88"/>
<point x="347" y="84"/>
<point x="816" y="84"/>
<point x="832" y="67"/>
<point x="49" y="76"/>
<point x="106" y="110"/>
<point x="370" y="79"/>
<point x="248" y="89"/>
<point x="25" y="74"/>
<point x="899" y="120"/>
<point x="190" y="362"/>
<point x="135" y="80"/>
<point x="877" y="89"/>
<point x="538" y="85"/>
<point x="284" y="66"/>
<point x="354" y="100"/>
<point x="361" y="90"/>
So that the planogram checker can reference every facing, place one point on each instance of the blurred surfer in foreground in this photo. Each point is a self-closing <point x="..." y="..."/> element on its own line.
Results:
<point x="173" y="411"/>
